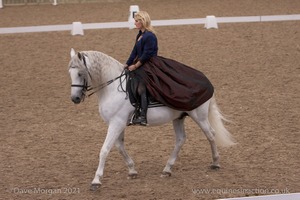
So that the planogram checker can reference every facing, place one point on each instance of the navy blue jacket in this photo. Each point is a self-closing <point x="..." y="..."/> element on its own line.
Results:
<point x="143" y="49"/>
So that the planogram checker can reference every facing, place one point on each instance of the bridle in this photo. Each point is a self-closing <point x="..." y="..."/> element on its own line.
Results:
<point x="87" y="88"/>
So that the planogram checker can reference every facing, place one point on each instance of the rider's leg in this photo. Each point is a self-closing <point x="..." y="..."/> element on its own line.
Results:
<point x="142" y="91"/>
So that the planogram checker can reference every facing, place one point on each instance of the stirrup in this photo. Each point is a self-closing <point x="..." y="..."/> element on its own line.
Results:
<point x="140" y="120"/>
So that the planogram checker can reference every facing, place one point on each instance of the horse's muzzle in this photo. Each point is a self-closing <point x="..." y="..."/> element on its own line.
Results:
<point x="76" y="99"/>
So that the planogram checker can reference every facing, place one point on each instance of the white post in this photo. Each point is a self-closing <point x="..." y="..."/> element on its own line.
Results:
<point x="211" y="22"/>
<point x="1" y="5"/>
<point x="77" y="28"/>
<point x="132" y="10"/>
<point x="54" y="2"/>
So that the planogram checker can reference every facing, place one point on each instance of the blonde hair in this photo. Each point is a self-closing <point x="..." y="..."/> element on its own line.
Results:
<point x="144" y="17"/>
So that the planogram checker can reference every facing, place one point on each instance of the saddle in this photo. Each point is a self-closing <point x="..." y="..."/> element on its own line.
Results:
<point x="134" y="98"/>
<point x="131" y="89"/>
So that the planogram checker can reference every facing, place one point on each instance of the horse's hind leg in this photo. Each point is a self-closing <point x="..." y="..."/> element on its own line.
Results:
<point x="209" y="133"/>
<point x="200" y="116"/>
<point x="129" y="162"/>
<point x="178" y="125"/>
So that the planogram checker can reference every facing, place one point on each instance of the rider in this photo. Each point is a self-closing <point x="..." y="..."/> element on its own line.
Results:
<point x="145" y="47"/>
<point x="169" y="82"/>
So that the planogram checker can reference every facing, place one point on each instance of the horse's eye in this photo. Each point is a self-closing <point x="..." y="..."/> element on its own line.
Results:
<point x="79" y="74"/>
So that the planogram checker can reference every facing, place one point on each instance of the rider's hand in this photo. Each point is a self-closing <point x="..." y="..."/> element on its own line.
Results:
<point x="132" y="67"/>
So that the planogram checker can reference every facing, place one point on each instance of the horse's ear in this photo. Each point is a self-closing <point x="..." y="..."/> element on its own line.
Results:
<point x="79" y="56"/>
<point x="72" y="53"/>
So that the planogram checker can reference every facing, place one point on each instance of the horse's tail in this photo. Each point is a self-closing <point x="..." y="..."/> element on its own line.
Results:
<point x="222" y="135"/>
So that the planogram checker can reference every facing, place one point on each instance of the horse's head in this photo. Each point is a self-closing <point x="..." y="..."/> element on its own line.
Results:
<point x="79" y="76"/>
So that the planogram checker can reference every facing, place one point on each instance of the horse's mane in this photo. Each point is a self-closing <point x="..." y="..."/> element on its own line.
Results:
<point x="101" y="67"/>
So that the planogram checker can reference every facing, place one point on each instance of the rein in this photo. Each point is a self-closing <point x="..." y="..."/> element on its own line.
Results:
<point x="103" y="85"/>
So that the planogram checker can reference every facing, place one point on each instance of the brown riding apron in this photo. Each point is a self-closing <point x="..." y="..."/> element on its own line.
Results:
<point x="174" y="84"/>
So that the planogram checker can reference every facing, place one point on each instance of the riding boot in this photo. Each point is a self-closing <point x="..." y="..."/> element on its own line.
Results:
<point x="142" y="118"/>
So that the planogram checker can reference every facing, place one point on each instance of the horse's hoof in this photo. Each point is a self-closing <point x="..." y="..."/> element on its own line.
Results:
<point x="215" y="167"/>
<point x="95" y="186"/>
<point x="132" y="176"/>
<point x="165" y="174"/>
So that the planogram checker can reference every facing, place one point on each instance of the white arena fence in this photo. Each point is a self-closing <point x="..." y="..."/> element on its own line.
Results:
<point x="37" y="2"/>
<point x="126" y="24"/>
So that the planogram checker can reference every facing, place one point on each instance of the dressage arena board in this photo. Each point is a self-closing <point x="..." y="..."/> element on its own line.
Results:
<point x="68" y="27"/>
<point x="50" y="147"/>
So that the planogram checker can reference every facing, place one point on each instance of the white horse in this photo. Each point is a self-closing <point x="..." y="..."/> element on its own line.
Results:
<point x="92" y="68"/>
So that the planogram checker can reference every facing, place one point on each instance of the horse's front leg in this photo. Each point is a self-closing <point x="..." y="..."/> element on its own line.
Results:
<point x="130" y="164"/>
<point x="114" y="131"/>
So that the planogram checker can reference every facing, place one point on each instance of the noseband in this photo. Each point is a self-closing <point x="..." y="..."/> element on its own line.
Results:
<point x="84" y="87"/>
